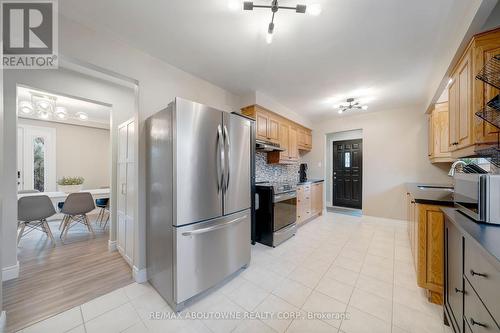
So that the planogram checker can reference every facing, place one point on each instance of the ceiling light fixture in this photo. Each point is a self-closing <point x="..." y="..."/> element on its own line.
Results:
<point x="82" y="116"/>
<point x="351" y="105"/>
<point x="310" y="9"/>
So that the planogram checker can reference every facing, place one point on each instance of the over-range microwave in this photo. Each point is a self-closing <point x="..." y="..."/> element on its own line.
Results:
<point x="478" y="196"/>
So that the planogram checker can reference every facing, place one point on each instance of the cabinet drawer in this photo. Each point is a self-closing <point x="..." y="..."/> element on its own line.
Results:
<point x="484" y="278"/>
<point x="475" y="314"/>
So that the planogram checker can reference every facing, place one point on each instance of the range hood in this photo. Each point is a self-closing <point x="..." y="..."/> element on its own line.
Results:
<point x="267" y="146"/>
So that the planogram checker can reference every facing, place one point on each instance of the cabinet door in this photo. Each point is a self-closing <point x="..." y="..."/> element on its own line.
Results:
<point x="284" y="142"/>
<point x="262" y="124"/>
<point x="453" y="113"/>
<point x="308" y="139"/>
<point x="317" y="198"/>
<point x="430" y="140"/>
<point x="454" y="283"/>
<point x="485" y="132"/>
<point x="273" y="128"/>
<point x="293" y="144"/>
<point x="464" y="102"/>
<point x="442" y="147"/>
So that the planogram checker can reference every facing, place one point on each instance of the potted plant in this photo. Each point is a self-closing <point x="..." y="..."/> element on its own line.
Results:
<point x="70" y="184"/>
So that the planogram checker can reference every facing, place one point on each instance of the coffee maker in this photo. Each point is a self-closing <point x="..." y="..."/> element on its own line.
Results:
<point x="303" y="172"/>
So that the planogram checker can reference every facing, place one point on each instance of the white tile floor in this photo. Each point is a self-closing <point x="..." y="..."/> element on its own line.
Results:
<point x="337" y="263"/>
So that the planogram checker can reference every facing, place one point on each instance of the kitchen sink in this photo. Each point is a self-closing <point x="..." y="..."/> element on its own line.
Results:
<point x="436" y="187"/>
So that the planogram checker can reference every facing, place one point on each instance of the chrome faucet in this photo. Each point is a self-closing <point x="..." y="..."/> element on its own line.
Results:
<point x="454" y="166"/>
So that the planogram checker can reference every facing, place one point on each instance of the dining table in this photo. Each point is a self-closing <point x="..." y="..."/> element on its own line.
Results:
<point x="57" y="196"/>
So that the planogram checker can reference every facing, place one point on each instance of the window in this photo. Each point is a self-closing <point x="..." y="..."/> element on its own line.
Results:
<point x="39" y="164"/>
<point x="347" y="159"/>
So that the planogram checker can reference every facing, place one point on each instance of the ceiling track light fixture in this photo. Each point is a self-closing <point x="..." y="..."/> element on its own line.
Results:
<point x="301" y="9"/>
<point x="351" y="105"/>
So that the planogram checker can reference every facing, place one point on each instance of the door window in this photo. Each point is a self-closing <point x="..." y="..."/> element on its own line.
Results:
<point x="347" y="160"/>
<point x="39" y="164"/>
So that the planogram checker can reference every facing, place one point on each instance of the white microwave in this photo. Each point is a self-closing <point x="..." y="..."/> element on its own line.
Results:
<point x="478" y="196"/>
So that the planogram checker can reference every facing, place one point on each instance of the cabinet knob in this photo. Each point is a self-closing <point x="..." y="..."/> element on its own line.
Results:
<point x="478" y="274"/>
<point x="459" y="291"/>
<point x="473" y="322"/>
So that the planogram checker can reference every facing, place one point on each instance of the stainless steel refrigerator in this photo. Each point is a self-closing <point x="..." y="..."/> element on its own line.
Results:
<point x="199" y="170"/>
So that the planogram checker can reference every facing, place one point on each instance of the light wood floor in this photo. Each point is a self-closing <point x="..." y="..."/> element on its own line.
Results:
<point x="55" y="279"/>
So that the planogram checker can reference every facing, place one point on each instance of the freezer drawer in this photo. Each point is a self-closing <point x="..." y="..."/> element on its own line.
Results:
<point x="208" y="252"/>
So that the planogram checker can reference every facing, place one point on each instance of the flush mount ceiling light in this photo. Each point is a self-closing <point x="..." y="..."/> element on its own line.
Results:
<point x="351" y="105"/>
<point x="310" y="9"/>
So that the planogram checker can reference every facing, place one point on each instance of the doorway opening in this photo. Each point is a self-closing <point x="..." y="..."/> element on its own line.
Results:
<point x="66" y="125"/>
<point x="347" y="181"/>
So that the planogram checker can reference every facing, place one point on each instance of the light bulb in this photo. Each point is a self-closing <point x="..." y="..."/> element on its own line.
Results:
<point x="365" y="107"/>
<point x="314" y="9"/>
<point x="340" y="111"/>
<point x="82" y="115"/>
<point x="60" y="112"/>
<point x="43" y="114"/>
<point x="269" y="38"/>
<point x="43" y="105"/>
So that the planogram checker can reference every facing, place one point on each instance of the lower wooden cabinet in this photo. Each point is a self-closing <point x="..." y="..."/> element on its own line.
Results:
<point x="309" y="201"/>
<point x="425" y="230"/>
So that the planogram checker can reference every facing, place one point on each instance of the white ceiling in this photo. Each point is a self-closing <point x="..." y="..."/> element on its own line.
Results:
<point x="382" y="49"/>
<point x="98" y="114"/>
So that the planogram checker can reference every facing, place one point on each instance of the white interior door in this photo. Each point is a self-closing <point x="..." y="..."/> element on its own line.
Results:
<point x="36" y="158"/>
<point x="126" y="191"/>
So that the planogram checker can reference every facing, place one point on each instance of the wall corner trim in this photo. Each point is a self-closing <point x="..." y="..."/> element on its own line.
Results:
<point x="112" y="246"/>
<point x="140" y="275"/>
<point x="10" y="272"/>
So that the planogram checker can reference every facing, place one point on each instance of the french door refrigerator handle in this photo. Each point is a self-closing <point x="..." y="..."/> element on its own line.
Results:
<point x="220" y="159"/>
<point x="215" y="227"/>
<point x="228" y="156"/>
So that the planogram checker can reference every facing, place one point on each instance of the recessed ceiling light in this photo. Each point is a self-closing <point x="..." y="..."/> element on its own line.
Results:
<point x="234" y="5"/>
<point x="26" y="107"/>
<point x="82" y="116"/>
<point x="61" y="112"/>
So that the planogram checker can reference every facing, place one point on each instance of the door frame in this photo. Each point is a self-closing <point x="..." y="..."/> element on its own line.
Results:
<point x="360" y="140"/>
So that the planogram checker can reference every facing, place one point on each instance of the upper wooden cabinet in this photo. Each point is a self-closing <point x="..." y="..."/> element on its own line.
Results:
<point x="439" y="150"/>
<point x="272" y="127"/>
<point x="467" y="132"/>
<point x="305" y="139"/>
<point x="288" y="142"/>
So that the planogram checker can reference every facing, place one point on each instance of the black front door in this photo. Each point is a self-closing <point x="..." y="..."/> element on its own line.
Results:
<point x="347" y="173"/>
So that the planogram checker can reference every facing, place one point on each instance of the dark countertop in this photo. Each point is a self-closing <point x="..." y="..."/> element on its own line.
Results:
<point x="431" y="196"/>
<point x="311" y="181"/>
<point x="487" y="236"/>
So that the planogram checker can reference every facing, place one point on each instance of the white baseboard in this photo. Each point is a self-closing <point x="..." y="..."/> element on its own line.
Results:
<point x="10" y="272"/>
<point x="3" y="321"/>
<point x="112" y="246"/>
<point x="140" y="275"/>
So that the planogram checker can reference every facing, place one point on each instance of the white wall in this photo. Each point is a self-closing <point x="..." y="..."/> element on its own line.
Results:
<point x="394" y="153"/>
<point x="57" y="81"/>
<point x="330" y="138"/>
<point x="80" y="152"/>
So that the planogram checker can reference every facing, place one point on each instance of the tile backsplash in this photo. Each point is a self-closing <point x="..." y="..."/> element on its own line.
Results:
<point x="274" y="172"/>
